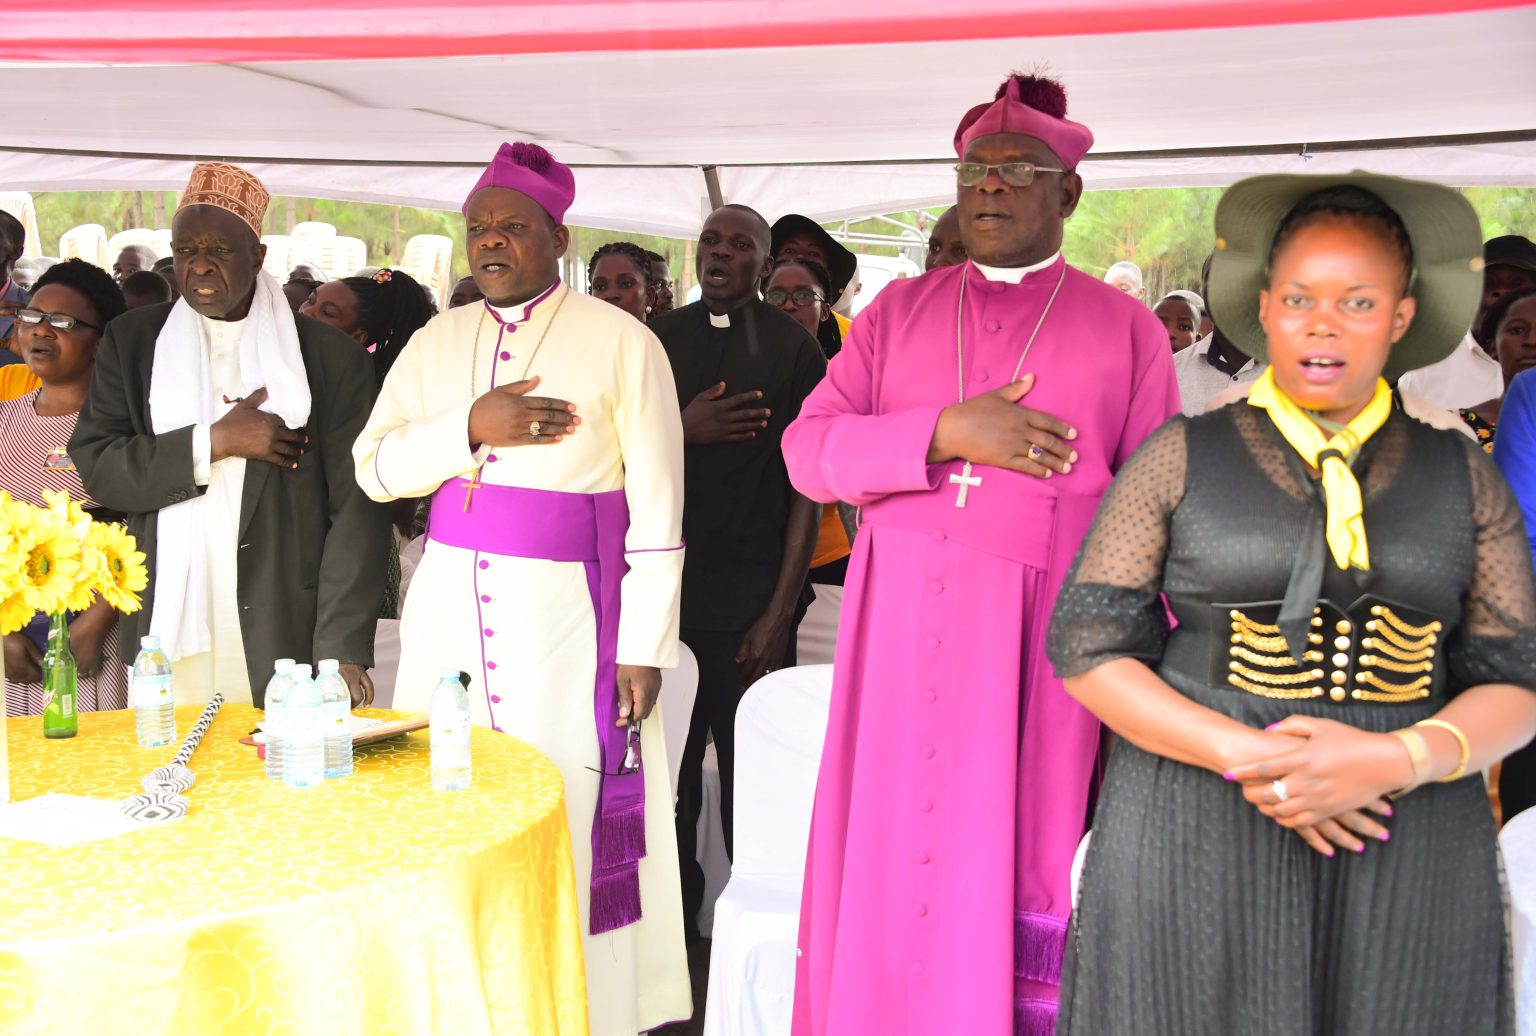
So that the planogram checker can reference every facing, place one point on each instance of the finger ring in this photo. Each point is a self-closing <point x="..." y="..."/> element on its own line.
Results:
<point x="1035" y="452"/>
<point x="533" y="429"/>
<point x="1278" y="787"/>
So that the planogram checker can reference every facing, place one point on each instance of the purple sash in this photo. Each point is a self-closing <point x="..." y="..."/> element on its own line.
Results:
<point x="589" y="528"/>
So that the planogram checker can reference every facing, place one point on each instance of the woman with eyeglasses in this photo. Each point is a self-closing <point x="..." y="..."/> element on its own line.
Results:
<point x="57" y="335"/>
<point x="802" y="288"/>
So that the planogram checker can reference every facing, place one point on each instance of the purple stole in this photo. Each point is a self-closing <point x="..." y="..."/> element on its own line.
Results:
<point x="589" y="528"/>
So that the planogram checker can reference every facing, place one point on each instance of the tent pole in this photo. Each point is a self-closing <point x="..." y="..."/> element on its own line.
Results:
<point x="712" y="184"/>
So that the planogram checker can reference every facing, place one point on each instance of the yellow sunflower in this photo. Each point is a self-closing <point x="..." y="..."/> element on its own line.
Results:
<point x="121" y="573"/>
<point x="50" y="559"/>
<point x="15" y="612"/>
<point x="91" y="575"/>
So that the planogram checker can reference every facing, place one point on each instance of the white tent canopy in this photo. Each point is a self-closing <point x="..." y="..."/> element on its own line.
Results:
<point x="828" y="131"/>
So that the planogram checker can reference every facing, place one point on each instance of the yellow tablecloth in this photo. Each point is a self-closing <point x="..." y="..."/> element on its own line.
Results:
<point x="367" y="905"/>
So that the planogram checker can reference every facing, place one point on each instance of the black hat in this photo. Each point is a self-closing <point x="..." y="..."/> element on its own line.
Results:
<point x="1510" y="250"/>
<point x="841" y="263"/>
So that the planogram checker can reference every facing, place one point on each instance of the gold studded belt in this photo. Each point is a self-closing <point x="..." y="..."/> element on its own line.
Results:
<point x="1373" y="651"/>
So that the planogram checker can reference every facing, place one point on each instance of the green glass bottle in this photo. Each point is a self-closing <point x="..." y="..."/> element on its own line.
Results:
<point x="59" y="679"/>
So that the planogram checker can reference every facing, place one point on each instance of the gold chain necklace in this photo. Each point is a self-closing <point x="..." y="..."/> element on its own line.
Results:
<point x="965" y="480"/>
<point x="474" y="356"/>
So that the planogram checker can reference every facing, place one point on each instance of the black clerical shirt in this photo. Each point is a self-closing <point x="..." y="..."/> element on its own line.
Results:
<point x="736" y="495"/>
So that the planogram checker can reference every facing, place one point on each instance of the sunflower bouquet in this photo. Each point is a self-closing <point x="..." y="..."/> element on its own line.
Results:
<point x="56" y="560"/>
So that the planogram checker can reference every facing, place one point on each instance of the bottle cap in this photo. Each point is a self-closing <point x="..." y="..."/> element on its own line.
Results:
<point x="282" y="665"/>
<point x="302" y="670"/>
<point x="329" y="665"/>
<point x="149" y="643"/>
<point x="450" y="674"/>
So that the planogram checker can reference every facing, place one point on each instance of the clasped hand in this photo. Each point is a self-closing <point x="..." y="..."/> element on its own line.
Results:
<point x="1334" y="776"/>
<point x="993" y="429"/>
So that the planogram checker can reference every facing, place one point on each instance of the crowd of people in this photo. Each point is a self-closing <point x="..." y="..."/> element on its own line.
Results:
<point x="1251" y="530"/>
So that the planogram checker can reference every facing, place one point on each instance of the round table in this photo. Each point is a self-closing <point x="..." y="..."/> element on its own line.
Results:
<point x="370" y="905"/>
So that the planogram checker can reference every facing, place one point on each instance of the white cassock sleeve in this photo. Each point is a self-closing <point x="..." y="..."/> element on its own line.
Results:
<point x="649" y="426"/>
<point x="412" y="443"/>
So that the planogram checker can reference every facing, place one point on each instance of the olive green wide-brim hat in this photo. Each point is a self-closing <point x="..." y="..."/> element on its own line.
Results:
<point x="1447" y="279"/>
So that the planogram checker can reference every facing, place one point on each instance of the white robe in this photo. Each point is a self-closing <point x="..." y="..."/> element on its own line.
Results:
<point x="539" y="613"/>
<point x="223" y="665"/>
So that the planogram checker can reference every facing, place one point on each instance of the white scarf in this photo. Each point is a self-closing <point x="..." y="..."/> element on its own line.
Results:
<point x="180" y="394"/>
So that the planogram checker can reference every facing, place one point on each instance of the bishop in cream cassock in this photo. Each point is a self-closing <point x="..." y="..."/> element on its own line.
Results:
<point x="545" y="427"/>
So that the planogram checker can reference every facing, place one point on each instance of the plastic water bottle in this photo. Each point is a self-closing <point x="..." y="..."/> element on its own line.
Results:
<point x="448" y="717"/>
<point x="154" y="704"/>
<point x="303" y="732"/>
<point x="336" y="706"/>
<point x="272" y="719"/>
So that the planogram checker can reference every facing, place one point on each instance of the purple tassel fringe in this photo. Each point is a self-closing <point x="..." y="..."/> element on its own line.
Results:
<point x="1034" y="1017"/>
<point x="1039" y="946"/>
<point x="615" y="899"/>
<point x="623" y="838"/>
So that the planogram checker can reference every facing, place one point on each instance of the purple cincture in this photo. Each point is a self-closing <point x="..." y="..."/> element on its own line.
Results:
<point x="586" y="528"/>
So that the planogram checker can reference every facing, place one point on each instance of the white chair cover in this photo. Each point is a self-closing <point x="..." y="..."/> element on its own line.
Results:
<point x="679" y="687"/>
<point x="709" y="838"/>
<point x="817" y="640"/>
<point x="1517" y="842"/>
<point x="780" y="727"/>
<point x="386" y="662"/>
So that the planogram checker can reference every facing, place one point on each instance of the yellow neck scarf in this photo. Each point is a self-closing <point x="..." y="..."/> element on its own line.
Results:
<point x="1345" y="529"/>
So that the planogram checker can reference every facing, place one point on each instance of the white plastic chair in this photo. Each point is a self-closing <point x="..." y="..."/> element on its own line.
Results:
<point x="276" y="264"/>
<point x="342" y="256"/>
<point x="1517" y="842"/>
<point x="780" y="727"/>
<point x="133" y="236"/>
<point x="87" y="241"/>
<point x="429" y="259"/>
<point x="20" y="205"/>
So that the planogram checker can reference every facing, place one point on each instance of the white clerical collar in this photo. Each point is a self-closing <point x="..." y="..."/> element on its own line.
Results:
<point x="523" y="311"/>
<point x="719" y="319"/>
<point x="1013" y="274"/>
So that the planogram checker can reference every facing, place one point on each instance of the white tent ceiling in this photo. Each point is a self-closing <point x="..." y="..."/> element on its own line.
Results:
<point x="829" y="131"/>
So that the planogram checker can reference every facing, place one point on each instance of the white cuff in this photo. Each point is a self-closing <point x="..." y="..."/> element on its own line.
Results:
<point x="202" y="454"/>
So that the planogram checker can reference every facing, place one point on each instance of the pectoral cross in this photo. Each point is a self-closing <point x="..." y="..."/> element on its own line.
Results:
<point x="469" y="487"/>
<point x="965" y="481"/>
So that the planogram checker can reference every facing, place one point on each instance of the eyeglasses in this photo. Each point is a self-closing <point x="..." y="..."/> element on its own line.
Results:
<point x="58" y="321"/>
<point x="631" y="762"/>
<point x="802" y="297"/>
<point x="1014" y="174"/>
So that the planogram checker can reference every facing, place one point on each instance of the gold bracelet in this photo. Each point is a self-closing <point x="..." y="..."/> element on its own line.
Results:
<point x="1461" y="739"/>
<point x="1418" y="757"/>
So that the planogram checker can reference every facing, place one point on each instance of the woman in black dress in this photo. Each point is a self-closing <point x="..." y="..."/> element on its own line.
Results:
<point x="1293" y="838"/>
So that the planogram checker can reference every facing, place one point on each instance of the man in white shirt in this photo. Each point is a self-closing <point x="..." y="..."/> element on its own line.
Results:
<point x="1212" y="366"/>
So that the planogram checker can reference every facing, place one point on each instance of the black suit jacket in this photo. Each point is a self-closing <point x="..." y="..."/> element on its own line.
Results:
<point x="312" y="547"/>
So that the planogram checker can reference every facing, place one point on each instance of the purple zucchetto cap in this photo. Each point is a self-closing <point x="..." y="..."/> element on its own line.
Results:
<point x="529" y="169"/>
<point x="1032" y="106"/>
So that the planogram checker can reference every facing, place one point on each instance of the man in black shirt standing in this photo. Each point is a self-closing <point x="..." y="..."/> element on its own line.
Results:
<point x="744" y="367"/>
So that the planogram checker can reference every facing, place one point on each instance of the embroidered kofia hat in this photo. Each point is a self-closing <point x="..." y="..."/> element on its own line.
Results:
<point x="530" y="170"/>
<point x="228" y="187"/>
<point x="1033" y="106"/>
<point x="1446" y="281"/>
